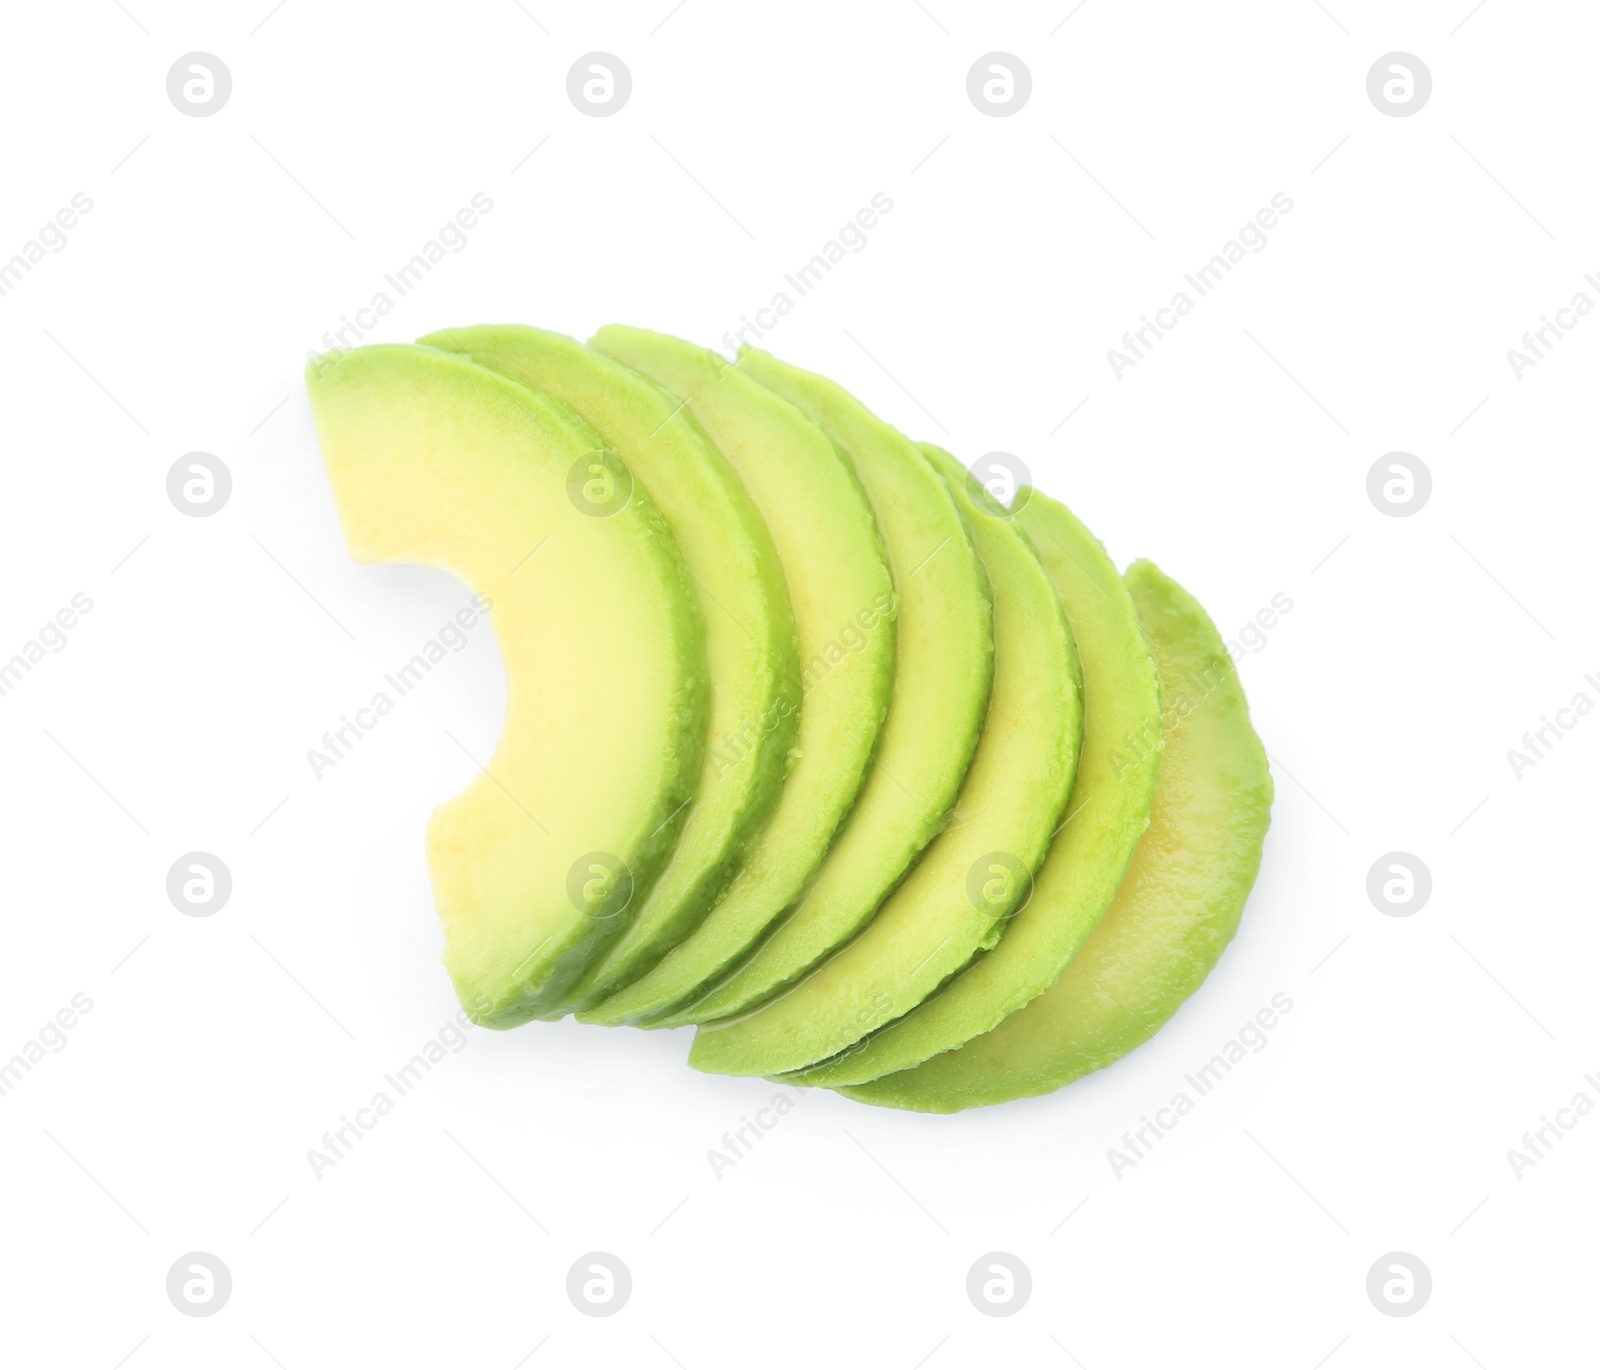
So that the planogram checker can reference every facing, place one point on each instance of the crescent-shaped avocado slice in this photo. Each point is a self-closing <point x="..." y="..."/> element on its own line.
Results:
<point x="844" y="606"/>
<point x="437" y="461"/>
<point x="1109" y="809"/>
<point x="1176" y="909"/>
<point x="942" y="684"/>
<point x="744" y="605"/>
<point x="971" y="878"/>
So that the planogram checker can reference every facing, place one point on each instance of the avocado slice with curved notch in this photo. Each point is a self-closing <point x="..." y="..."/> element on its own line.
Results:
<point x="437" y="461"/>
<point x="1109" y="809"/>
<point x="744" y="606"/>
<point x="970" y="880"/>
<point x="943" y="678"/>
<point x="1178" y="905"/>
<point x="844" y="605"/>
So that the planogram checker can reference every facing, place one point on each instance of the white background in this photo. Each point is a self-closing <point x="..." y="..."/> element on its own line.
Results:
<point x="177" y="718"/>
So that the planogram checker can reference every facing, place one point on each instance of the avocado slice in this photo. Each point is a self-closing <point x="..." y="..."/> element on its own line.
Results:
<point x="970" y="880"/>
<point x="1109" y="809"/>
<point x="942" y="685"/>
<point x="437" y="461"/>
<point x="844" y="605"/>
<point x="1178" y="905"/>
<point x="744" y="605"/>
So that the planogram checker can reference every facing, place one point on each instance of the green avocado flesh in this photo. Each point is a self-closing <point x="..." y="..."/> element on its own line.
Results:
<point x="437" y="461"/>
<point x="744" y="606"/>
<point x="971" y="879"/>
<point x="843" y="598"/>
<point x="808" y="743"/>
<point x="1108" y="811"/>
<point x="943" y="675"/>
<point x="1176" y="909"/>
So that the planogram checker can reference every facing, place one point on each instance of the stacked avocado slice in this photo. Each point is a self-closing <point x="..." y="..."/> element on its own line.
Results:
<point x="810" y="742"/>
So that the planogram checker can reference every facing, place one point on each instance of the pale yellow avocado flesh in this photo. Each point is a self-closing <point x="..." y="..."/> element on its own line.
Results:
<point x="536" y="865"/>
<point x="744" y="607"/>
<point x="844" y="604"/>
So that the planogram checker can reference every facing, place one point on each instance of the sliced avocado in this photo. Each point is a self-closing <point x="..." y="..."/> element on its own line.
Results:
<point x="744" y="605"/>
<point x="844" y="607"/>
<point x="942" y="682"/>
<point x="1176" y="909"/>
<point x="971" y="878"/>
<point x="437" y="461"/>
<point x="1109" y="809"/>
